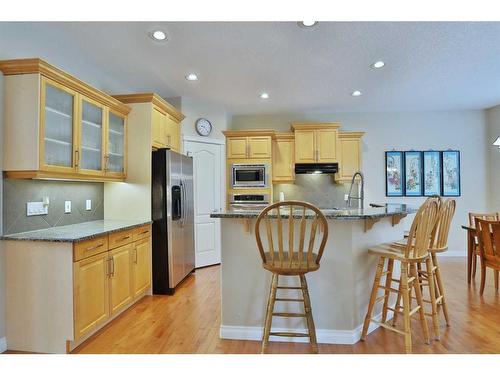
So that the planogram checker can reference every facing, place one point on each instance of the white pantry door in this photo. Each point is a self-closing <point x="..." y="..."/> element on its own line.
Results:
<point x="208" y="187"/>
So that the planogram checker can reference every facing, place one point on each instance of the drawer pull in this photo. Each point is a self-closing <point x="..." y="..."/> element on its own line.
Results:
<point x="125" y="238"/>
<point x="94" y="247"/>
<point x="146" y="231"/>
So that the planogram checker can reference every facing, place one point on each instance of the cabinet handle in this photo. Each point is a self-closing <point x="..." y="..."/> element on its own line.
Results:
<point x="125" y="238"/>
<point x="112" y="261"/>
<point x="135" y="256"/>
<point x="94" y="247"/>
<point x="317" y="155"/>
<point x="106" y="162"/>
<point x="77" y="158"/>
<point x="108" y="267"/>
<point x="146" y="231"/>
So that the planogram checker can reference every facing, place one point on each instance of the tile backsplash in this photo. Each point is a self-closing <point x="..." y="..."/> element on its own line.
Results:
<point x="16" y="193"/>
<point x="319" y="190"/>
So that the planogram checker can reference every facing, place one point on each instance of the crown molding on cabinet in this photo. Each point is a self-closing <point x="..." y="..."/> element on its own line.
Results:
<point x="39" y="66"/>
<point x="315" y="125"/>
<point x="351" y="134"/>
<point x="249" y="133"/>
<point x="150" y="97"/>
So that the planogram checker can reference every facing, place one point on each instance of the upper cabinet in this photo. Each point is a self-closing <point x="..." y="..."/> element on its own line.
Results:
<point x="251" y="144"/>
<point x="316" y="143"/>
<point x="283" y="158"/>
<point x="57" y="126"/>
<point x="350" y="155"/>
<point x="164" y="119"/>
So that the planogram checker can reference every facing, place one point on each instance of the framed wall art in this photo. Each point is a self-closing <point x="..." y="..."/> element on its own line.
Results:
<point x="432" y="173"/>
<point x="394" y="174"/>
<point x="451" y="173"/>
<point x="413" y="173"/>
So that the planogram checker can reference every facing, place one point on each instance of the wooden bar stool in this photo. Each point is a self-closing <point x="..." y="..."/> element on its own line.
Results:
<point x="290" y="259"/>
<point x="439" y="244"/>
<point x="415" y="252"/>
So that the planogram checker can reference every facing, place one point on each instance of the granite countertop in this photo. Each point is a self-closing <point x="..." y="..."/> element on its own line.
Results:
<point x="390" y="209"/>
<point x="76" y="232"/>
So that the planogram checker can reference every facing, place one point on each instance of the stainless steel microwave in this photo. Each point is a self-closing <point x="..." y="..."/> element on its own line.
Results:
<point x="249" y="175"/>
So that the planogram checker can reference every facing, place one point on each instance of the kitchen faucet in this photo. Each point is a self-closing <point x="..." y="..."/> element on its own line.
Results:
<point x="361" y="197"/>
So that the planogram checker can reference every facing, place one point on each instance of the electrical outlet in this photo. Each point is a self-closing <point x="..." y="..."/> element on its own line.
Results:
<point x="346" y="197"/>
<point x="36" y="208"/>
<point x="67" y="207"/>
<point x="88" y="204"/>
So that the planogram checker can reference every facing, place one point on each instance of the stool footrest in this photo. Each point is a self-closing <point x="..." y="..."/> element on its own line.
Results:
<point x="288" y="287"/>
<point x="290" y="299"/>
<point x="289" y="315"/>
<point x="387" y="326"/>
<point x="288" y="334"/>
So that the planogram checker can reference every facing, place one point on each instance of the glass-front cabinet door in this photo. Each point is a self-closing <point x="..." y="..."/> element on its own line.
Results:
<point x="58" y="136"/>
<point x="116" y="145"/>
<point x="91" y="142"/>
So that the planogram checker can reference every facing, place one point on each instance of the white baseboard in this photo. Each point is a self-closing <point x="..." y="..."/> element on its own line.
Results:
<point x="3" y="344"/>
<point x="323" y="336"/>
<point x="454" y="253"/>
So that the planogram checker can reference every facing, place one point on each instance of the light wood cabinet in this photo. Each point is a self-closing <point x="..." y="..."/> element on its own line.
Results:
<point x="109" y="273"/>
<point x="62" y="125"/>
<point x="249" y="147"/>
<point x="237" y="148"/>
<point x="141" y="264"/>
<point x="316" y="143"/>
<point x="164" y="119"/>
<point x="91" y="293"/>
<point x="120" y="277"/>
<point x="350" y="155"/>
<point x="283" y="158"/>
<point x="305" y="146"/>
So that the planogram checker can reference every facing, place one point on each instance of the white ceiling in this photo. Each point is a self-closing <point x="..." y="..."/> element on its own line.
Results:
<point x="429" y="66"/>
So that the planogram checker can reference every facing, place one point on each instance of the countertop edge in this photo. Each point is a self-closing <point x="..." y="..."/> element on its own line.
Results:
<point x="9" y="237"/>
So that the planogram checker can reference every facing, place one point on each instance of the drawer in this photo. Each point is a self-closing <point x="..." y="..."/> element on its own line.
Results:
<point x="85" y="249"/>
<point x="121" y="238"/>
<point x="142" y="232"/>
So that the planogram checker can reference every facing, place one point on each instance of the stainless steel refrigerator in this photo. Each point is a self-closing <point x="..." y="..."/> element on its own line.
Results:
<point x="173" y="219"/>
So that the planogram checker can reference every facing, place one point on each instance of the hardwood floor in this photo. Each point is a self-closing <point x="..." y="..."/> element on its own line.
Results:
<point x="188" y="322"/>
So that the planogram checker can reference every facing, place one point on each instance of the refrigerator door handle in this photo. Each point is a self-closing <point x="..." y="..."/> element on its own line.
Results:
<point x="183" y="202"/>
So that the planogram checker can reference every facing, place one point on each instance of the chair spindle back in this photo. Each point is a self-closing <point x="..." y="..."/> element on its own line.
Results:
<point x="488" y="234"/>
<point x="421" y="229"/>
<point x="302" y="221"/>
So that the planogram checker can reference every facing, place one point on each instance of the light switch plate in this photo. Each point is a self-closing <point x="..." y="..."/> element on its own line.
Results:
<point x="67" y="207"/>
<point x="36" y="208"/>
<point x="88" y="204"/>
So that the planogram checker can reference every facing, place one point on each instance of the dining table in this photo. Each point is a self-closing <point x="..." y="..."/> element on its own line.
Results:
<point x="471" y="240"/>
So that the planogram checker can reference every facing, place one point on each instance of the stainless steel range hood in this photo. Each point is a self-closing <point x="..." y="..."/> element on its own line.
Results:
<point x="316" y="168"/>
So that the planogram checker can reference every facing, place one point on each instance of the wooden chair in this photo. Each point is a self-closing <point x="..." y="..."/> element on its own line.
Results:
<point x="493" y="216"/>
<point x="488" y="235"/>
<point x="414" y="252"/>
<point x="285" y="255"/>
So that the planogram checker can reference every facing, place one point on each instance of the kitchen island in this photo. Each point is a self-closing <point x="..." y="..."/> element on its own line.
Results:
<point x="339" y="289"/>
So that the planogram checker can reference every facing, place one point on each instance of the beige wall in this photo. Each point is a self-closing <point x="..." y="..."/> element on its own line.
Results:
<point x="194" y="109"/>
<point x="493" y="125"/>
<point x="461" y="130"/>
<point x="2" y="254"/>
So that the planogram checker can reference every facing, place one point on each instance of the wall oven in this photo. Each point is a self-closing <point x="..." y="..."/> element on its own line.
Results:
<point x="249" y="176"/>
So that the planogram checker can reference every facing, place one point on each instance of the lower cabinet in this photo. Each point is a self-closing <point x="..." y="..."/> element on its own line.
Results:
<point x="91" y="293"/>
<point x="120" y="277"/>
<point x="107" y="283"/>
<point x="141" y="267"/>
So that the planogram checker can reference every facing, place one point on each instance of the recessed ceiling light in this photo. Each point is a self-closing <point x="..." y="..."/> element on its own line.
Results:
<point x="158" y="35"/>
<point x="264" y="95"/>
<point x="307" y="23"/>
<point x="356" y="93"/>
<point x="378" y="64"/>
<point x="192" y="77"/>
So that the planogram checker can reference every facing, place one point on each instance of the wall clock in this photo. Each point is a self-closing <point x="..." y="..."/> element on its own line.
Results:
<point x="203" y="127"/>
